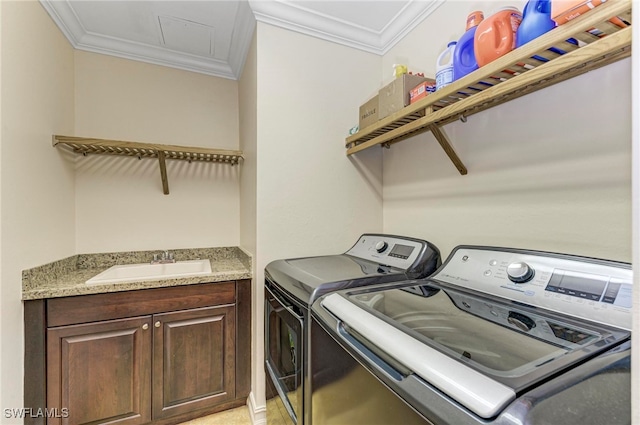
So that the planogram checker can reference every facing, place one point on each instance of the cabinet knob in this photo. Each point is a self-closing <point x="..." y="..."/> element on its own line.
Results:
<point x="145" y="326"/>
<point x="157" y="324"/>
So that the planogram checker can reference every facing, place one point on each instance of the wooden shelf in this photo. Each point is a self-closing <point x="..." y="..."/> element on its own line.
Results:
<point x="83" y="145"/>
<point x="522" y="71"/>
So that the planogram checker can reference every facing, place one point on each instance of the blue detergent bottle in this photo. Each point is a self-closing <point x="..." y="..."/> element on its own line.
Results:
<point x="464" y="59"/>
<point x="536" y="20"/>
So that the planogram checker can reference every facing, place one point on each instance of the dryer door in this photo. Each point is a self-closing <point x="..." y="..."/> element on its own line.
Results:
<point x="284" y="345"/>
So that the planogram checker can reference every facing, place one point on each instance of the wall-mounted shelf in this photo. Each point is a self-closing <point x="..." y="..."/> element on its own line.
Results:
<point x="522" y="71"/>
<point x="83" y="145"/>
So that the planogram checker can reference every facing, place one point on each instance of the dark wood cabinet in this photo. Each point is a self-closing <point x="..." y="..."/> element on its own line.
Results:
<point x="193" y="360"/>
<point x="156" y="356"/>
<point x="100" y="372"/>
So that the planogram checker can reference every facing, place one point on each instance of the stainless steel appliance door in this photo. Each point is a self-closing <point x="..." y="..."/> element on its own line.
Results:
<point x="284" y="351"/>
<point x="479" y="352"/>
<point x="478" y="393"/>
<point x="343" y="392"/>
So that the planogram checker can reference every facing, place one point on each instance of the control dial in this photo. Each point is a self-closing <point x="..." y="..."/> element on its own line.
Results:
<point x="520" y="272"/>
<point x="522" y="322"/>
<point x="381" y="246"/>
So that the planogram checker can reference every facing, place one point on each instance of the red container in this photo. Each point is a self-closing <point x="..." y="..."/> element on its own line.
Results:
<point x="496" y="35"/>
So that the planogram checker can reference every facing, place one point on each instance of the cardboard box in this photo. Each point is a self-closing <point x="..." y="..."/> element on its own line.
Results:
<point x="422" y="90"/>
<point x="395" y="95"/>
<point x="368" y="113"/>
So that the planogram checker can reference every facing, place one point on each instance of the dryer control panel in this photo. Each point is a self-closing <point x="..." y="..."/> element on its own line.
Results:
<point x="392" y="251"/>
<point x="591" y="289"/>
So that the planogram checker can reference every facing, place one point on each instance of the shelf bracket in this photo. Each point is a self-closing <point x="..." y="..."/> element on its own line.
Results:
<point x="442" y="138"/>
<point x="163" y="172"/>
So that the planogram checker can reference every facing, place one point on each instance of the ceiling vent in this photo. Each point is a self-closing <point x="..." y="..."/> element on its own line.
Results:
<point x="186" y="36"/>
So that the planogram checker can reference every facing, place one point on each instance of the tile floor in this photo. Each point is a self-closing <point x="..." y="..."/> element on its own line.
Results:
<point x="237" y="416"/>
<point x="240" y="416"/>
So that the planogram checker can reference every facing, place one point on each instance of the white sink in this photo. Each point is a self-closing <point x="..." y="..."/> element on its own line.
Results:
<point x="147" y="271"/>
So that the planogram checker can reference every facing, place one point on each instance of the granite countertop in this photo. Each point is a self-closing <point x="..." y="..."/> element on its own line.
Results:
<point x="67" y="277"/>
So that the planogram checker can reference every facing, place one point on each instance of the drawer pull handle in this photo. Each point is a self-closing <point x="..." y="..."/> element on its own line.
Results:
<point x="145" y="326"/>
<point x="157" y="325"/>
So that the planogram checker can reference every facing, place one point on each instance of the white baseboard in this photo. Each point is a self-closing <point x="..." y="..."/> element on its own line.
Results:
<point x="258" y="414"/>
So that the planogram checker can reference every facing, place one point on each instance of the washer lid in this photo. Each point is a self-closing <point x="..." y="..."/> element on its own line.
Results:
<point x="477" y="392"/>
<point x="334" y="268"/>
<point x="478" y="350"/>
<point x="308" y="278"/>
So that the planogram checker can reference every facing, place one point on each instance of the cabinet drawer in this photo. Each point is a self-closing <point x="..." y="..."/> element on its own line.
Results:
<point x="115" y="305"/>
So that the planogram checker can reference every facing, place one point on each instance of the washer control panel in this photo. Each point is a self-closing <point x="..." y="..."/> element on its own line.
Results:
<point x="595" y="290"/>
<point x="392" y="251"/>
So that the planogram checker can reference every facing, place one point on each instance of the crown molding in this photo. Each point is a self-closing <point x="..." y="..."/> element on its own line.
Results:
<point x="244" y="27"/>
<point x="280" y="13"/>
<point x="296" y="18"/>
<point x="293" y="18"/>
<point x="65" y="18"/>
<point x="410" y="17"/>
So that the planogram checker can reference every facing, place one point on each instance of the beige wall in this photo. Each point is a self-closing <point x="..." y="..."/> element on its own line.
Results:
<point x="248" y="183"/>
<point x="247" y="97"/>
<point x="548" y="171"/>
<point x="119" y="201"/>
<point x="37" y="192"/>
<point x="1" y="303"/>
<point x="311" y="198"/>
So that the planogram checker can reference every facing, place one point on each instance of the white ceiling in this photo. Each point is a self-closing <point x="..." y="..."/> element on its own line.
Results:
<point x="213" y="37"/>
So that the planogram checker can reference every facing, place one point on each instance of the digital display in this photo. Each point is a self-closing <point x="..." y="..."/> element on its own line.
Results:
<point x="618" y="293"/>
<point x="401" y="251"/>
<point x="577" y="285"/>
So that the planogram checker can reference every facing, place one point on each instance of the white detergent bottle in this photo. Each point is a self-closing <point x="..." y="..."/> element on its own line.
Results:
<point x="444" y="66"/>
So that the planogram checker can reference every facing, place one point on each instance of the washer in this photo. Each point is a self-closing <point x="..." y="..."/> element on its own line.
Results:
<point x="495" y="336"/>
<point x="292" y="285"/>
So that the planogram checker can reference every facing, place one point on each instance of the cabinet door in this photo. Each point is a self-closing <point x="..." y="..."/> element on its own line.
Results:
<point x="193" y="360"/>
<point x="100" y="372"/>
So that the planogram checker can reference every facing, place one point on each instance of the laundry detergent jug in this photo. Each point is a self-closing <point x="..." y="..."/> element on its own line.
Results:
<point x="444" y="66"/>
<point x="536" y="20"/>
<point x="496" y="35"/>
<point x="464" y="58"/>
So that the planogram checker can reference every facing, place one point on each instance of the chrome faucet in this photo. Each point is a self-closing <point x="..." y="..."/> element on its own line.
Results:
<point x="165" y="257"/>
